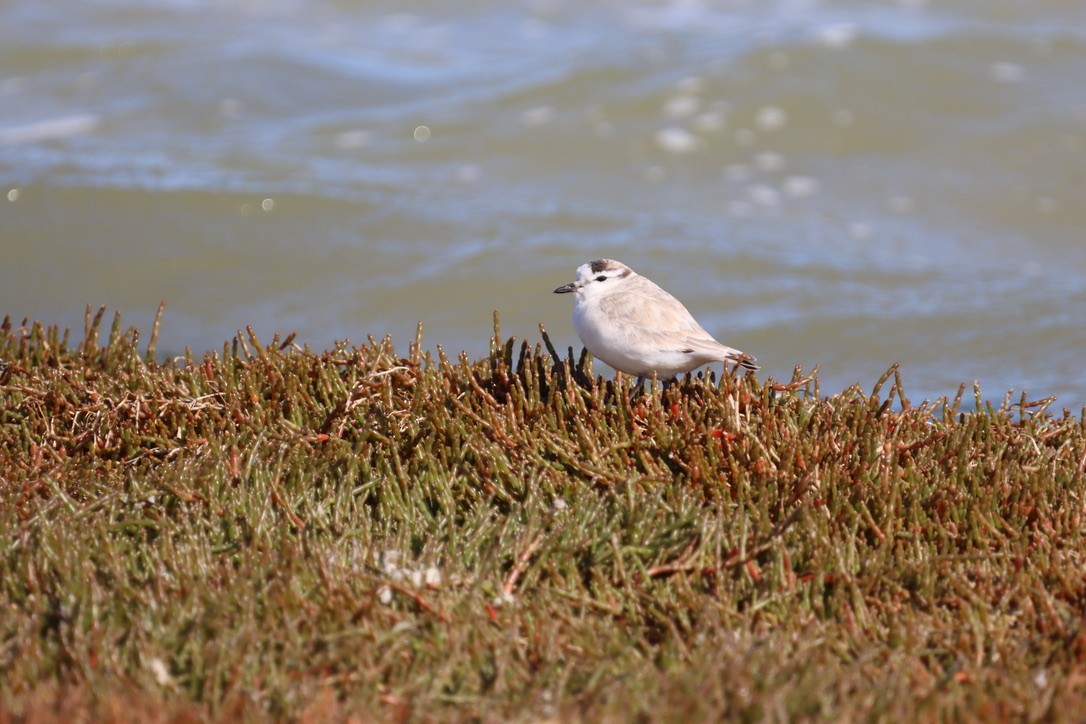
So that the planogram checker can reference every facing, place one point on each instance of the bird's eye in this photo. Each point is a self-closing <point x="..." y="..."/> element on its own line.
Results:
<point x="601" y="278"/>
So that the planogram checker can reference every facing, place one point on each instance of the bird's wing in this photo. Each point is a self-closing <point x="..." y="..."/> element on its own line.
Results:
<point x="645" y="306"/>
<point x="647" y="313"/>
<point x="647" y="310"/>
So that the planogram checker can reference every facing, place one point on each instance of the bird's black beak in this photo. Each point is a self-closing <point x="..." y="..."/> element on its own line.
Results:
<point x="571" y="287"/>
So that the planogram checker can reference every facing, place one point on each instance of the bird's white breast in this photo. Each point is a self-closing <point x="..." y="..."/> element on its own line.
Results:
<point x="620" y="345"/>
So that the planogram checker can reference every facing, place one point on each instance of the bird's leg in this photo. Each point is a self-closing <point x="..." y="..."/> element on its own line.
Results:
<point x="638" y="388"/>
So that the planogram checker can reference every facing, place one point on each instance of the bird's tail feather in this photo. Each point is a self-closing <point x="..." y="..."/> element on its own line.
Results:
<point x="745" y="361"/>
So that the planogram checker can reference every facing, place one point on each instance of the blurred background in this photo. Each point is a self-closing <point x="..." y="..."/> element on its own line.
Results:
<point x="843" y="183"/>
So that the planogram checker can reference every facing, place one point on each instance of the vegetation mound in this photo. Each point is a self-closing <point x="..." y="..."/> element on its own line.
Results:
<point x="272" y="531"/>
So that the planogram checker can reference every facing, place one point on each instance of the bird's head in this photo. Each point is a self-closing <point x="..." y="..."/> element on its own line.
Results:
<point x="596" y="277"/>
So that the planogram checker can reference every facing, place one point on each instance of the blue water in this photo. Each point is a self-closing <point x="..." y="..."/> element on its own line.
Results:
<point x="834" y="183"/>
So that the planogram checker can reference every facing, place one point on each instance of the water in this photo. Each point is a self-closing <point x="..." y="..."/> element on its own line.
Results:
<point x="843" y="184"/>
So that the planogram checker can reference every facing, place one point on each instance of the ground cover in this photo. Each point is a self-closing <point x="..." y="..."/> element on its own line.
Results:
<point x="275" y="531"/>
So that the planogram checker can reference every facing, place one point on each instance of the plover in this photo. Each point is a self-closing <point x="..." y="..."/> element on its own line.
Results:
<point x="629" y="322"/>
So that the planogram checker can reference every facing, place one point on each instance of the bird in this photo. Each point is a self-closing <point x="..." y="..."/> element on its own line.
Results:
<point x="629" y="322"/>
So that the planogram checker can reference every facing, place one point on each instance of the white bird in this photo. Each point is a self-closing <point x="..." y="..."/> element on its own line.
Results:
<point x="627" y="321"/>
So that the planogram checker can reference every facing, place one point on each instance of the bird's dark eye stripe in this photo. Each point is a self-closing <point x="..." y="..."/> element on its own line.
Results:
<point x="601" y="278"/>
